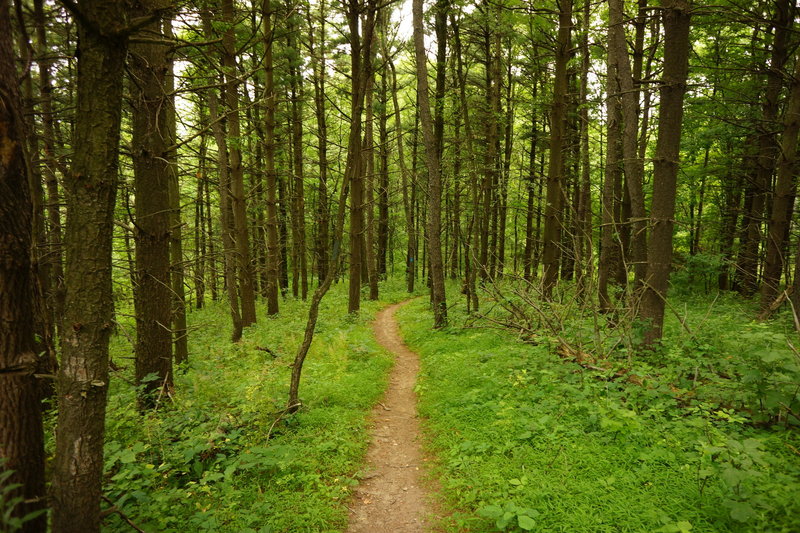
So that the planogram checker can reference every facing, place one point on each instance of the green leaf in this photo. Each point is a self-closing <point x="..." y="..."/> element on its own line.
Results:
<point x="742" y="511"/>
<point x="526" y="522"/>
<point x="492" y="512"/>
<point x="733" y="476"/>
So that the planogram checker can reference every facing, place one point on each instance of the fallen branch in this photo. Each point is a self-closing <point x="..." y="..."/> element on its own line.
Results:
<point x="116" y="510"/>
<point x="266" y="349"/>
<point x="782" y="297"/>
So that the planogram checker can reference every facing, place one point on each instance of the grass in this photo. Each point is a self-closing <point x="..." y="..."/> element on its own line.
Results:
<point x="211" y="459"/>
<point x="527" y="440"/>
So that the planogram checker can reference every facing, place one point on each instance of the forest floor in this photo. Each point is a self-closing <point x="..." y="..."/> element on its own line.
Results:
<point x="394" y="494"/>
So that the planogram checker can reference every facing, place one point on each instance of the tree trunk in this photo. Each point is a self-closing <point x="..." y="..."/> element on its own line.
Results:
<point x="180" y="331"/>
<point x="21" y="434"/>
<point x="298" y="197"/>
<point x="784" y="196"/>
<point x="473" y="233"/>
<point x="368" y="155"/>
<point x="90" y="188"/>
<point x="150" y="142"/>
<point x="747" y="264"/>
<point x="383" y="155"/>
<point x="555" y="172"/>
<point x="676" y="18"/>
<point x="404" y="179"/>
<point x="359" y="73"/>
<point x="244" y="269"/>
<point x="610" y="251"/>
<point x="200" y="214"/>
<point x="225" y="201"/>
<point x="491" y="165"/>
<point x="294" y="402"/>
<point x="318" y="77"/>
<point x="54" y="294"/>
<point x="583" y="248"/>
<point x="273" y="251"/>
<point x="632" y="165"/>
<point x="530" y="237"/>
<point x="434" y="177"/>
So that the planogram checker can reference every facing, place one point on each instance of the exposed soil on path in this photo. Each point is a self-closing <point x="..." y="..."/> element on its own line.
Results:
<point x="392" y="496"/>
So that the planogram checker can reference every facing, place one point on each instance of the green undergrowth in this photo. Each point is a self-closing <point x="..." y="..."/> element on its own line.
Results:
<point x="681" y="440"/>
<point x="211" y="460"/>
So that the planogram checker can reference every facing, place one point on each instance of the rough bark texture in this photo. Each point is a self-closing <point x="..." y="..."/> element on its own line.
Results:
<point x="610" y="252"/>
<point x="555" y="173"/>
<point x="148" y="67"/>
<point x="584" y="260"/>
<point x="471" y="243"/>
<point x="359" y="73"/>
<point x="432" y="161"/>
<point x="21" y="436"/>
<point x="247" y="295"/>
<point x="90" y="187"/>
<point x="632" y="165"/>
<point x="368" y="154"/>
<point x="225" y="201"/>
<point x="783" y="197"/>
<point x="747" y="262"/>
<point x="676" y="16"/>
<point x="273" y="260"/>
<point x="180" y="332"/>
<point x="383" y="155"/>
<point x="404" y="184"/>
<point x="323" y="211"/>
<point x="298" y="191"/>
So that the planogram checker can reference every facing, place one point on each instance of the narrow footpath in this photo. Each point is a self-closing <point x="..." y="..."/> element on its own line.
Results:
<point x="392" y="496"/>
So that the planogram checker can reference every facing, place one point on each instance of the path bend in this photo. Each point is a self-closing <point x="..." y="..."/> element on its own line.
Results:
<point x="392" y="496"/>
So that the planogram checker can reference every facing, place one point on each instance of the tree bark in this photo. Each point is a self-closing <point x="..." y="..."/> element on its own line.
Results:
<point x="784" y="196"/>
<point x="404" y="184"/>
<point x="244" y="269"/>
<point x="676" y="16"/>
<point x="584" y="259"/>
<point x="180" y="332"/>
<point x="748" y="259"/>
<point x="432" y="160"/>
<point x="273" y="251"/>
<point x="318" y="79"/>
<point x="226" y="208"/>
<point x="150" y="141"/>
<point x="368" y="155"/>
<point x="555" y="173"/>
<point x="360" y="67"/>
<point x="298" y="196"/>
<point x="90" y="188"/>
<point x="294" y="402"/>
<point x="610" y="250"/>
<point x="21" y="433"/>
<point x="632" y="165"/>
<point x="383" y="155"/>
<point x="473" y="232"/>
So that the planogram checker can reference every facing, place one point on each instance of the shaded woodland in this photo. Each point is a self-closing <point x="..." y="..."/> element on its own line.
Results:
<point x="159" y="158"/>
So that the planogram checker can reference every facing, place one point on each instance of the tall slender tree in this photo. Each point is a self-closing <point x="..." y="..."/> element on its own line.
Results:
<point x="21" y="434"/>
<point x="555" y="172"/>
<point x="91" y="186"/>
<point x="150" y="142"/>
<point x="677" y="17"/>
<point x="433" y="162"/>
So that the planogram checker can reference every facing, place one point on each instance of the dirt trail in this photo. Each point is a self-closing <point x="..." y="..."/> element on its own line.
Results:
<point x="392" y="496"/>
